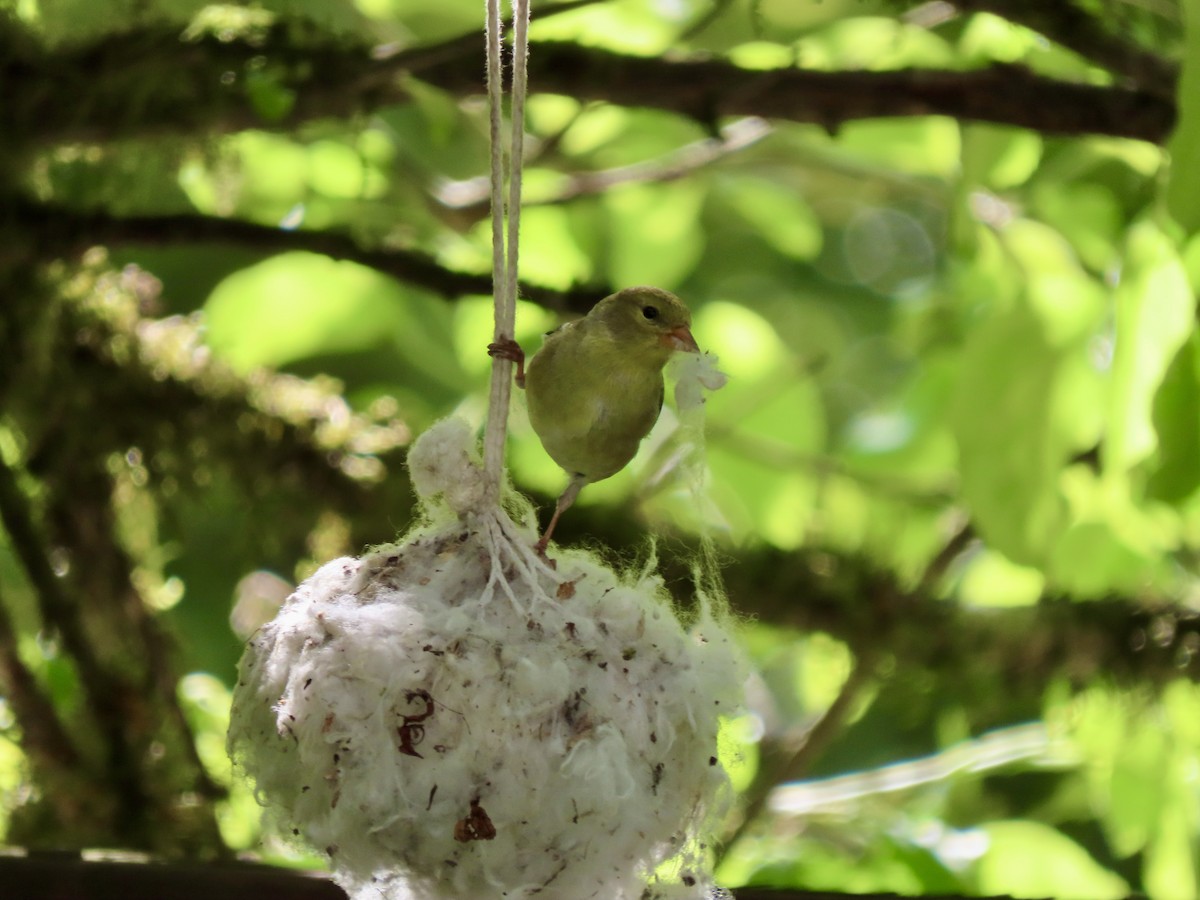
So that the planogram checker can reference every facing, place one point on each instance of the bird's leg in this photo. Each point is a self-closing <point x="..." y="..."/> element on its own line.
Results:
<point x="564" y="502"/>
<point x="507" y="348"/>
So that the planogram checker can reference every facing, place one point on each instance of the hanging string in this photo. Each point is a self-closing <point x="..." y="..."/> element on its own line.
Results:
<point x="504" y="268"/>
<point x="520" y="84"/>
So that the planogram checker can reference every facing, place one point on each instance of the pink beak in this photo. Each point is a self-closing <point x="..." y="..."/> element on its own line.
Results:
<point x="681" y="339"/>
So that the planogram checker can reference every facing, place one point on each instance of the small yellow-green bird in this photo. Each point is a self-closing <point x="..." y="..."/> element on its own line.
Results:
<point x="595" y="388"/>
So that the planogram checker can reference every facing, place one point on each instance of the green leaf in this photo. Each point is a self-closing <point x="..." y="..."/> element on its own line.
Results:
<point x="1183" y="187"/>
<point x="1086" y="214"/>
<point x="1170" y="867"/>
<point x="1155" y="313"/>
<point x="1028" y="396"/>
<point x="992" y="580"/>
<point x="299" y="308"/>
<point x="926" y="146"/>
<point x="998" y="158"/>
<point x="655" y="234"/>
<point x="268" y="95"/>
<point x="336" y="170"/>
<point x="873" y="42"/>
<point x="774" y="422"/>
<point x="1176" y="421"/>
<point x="1093" y="558"/>
<point x="1019" y="415"/>
<point x="1029" y="859"/>
<point x="635" y="27"/>
<point x="1137" y="790"/>
<point x="549" y="252"/>
<point x="781" y="216"/>
<point x="298" y="305"/>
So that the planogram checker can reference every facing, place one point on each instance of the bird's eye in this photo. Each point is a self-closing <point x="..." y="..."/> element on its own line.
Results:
<point x="650" y="312"/>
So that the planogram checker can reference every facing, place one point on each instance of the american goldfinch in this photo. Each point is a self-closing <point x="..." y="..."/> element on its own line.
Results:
<point x="595" y="388"/>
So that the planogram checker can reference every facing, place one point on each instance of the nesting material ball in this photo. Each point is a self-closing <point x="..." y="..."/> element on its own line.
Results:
<point x="449" y="717"/>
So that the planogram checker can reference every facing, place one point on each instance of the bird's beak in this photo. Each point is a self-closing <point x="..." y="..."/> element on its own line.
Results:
<point x="681" y="339"/>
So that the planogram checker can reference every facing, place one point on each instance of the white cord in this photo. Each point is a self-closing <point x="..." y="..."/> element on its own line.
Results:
<point x="520" y="84"/>
<point x="504" y="270"/>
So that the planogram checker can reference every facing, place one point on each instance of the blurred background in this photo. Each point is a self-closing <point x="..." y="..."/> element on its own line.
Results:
<point x="939" y="248"/>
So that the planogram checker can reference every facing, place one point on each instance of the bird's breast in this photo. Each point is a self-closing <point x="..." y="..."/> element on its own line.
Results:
<point x="591" y="418"/>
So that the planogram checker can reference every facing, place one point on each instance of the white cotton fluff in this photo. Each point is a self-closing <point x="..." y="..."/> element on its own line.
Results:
<point x="449" y="717"/>
<point x="695" y="373"/>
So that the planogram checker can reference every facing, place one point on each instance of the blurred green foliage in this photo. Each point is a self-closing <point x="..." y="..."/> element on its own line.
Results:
<point x="936" y="331"/>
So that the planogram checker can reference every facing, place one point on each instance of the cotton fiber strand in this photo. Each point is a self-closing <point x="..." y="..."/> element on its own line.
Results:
<point x="450" y="717"/>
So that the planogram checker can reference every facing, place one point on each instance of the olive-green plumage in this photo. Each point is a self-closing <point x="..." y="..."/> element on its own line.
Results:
<point x="595" y="388"/>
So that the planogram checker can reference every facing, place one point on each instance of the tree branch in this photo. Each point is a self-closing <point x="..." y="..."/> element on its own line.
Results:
<point x="52" y="876"/>
<point x="58" y="231"/>
<point x="1129" y="640"/>
<point x="707" y="90"/>
<point x="110" y="89"/>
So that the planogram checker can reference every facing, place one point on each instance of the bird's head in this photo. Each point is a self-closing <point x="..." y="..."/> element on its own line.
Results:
<point x="648" y="321"/>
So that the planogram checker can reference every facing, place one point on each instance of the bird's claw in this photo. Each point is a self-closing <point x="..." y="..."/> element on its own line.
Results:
<point x="507" y="348"/>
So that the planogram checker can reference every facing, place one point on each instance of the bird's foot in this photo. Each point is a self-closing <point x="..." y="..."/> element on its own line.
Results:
<point x="540" y="549"/>
<point x="507" y="348"/>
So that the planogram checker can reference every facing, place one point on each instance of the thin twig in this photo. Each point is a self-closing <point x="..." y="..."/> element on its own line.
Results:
<point x="793" y="764"/>
<point x="940" y="564"/>
<point x="471" y="194"/>
<point x="106" y="696"/>
<point x="44" y="738"/>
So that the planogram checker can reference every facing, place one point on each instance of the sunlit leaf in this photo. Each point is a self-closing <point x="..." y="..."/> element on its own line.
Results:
<point x="626" y="25"/>
<point x="765" y="426"/>
<point x="823" y="665"/>
<point x="1021" y="411"/>
<point x="872" y="42"/>
<point x="926" y="146"/>
<point x="1092" y="558"/>
<point x="1138" y="789"/>
<point x="1155" y="314"/>
<point x="594" y="127"/>
<point x="782" y="217"/>
<point x="1112" y="543"/>
<point x="1027" y="858"/>
<point x="299" y="305"/>
<point x="549" y="254"/>
<point x="1171" y="856"/>
<point x="998" y="157"/>
<point x="1086" y="214"/>
<point x="988" y="38"/>
<point x="337" y="170"/>
<point x="991" y="580"/>
<point x="655" y="233"/>
<point x="762" y="55"/>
